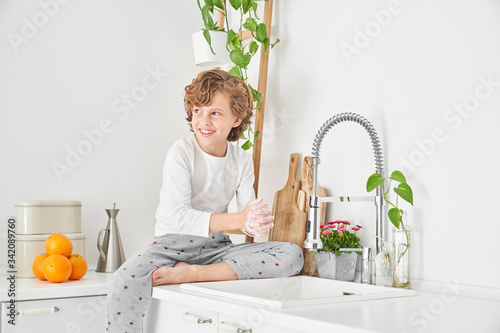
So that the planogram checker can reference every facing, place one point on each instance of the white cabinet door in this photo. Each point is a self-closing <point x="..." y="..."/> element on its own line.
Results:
<point x="60" y="315"/>
<point x="167" y="317"/>
<point x="254" y="321"/>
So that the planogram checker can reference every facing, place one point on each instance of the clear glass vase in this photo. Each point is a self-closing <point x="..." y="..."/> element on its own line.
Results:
<point x="383" y="265"/>
<point x="401" y="257"/>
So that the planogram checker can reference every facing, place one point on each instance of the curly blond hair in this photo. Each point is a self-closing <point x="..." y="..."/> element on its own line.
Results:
<point x="200" y="93"/>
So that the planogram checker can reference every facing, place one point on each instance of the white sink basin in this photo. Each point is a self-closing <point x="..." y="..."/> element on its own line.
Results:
<point x="294" y="291"/>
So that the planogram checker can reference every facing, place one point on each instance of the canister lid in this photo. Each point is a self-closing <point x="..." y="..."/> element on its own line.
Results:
<point x="34" y="203"/>
<point x="43" y="237"/>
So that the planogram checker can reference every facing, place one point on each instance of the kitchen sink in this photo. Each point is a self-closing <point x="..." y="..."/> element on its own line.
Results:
<point x="294" y="291"/>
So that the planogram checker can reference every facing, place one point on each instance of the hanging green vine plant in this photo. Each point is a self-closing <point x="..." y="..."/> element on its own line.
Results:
<point x="240" y="52"/>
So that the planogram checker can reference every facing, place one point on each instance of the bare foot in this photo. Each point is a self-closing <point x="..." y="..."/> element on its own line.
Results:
<point x="171" y="275"/>
<point x="183" y="273"/>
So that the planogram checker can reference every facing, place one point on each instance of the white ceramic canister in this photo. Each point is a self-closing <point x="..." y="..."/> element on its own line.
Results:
<point x="48" y="216"/>
<point x="28" y="247"/>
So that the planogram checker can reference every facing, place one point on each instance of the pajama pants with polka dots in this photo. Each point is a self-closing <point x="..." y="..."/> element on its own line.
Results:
<point x="130" y="289"/>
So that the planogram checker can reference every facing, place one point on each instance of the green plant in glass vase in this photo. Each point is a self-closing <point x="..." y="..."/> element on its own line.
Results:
<point x="240" y="52"/>
<point x="401" y="265"/>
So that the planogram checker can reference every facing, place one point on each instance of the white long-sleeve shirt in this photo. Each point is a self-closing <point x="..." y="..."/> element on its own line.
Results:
<point x="196" y="184"/>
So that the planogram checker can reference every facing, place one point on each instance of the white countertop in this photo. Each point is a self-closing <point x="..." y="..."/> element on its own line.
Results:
<point x="32" y="288"/>
<point x="427" y="312"/>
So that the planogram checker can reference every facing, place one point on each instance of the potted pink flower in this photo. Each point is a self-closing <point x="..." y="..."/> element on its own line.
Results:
<point x="330" y="261"/>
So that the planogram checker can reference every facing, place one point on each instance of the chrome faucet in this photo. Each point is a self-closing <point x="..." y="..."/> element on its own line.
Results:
<point x="313" y="240"/>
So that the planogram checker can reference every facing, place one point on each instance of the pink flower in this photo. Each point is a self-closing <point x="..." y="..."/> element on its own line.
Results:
<point x="322" y="225"/>
<point x="341" y="226"/>
<point x="355" y="228"/>
<point x="347" y="222"/>
<point x="326" y="232"/>
<point x="331" y="222"/>
<point x="359" y="226"/>
<point x="332" y="226"/>
<point x="340" y="233"/>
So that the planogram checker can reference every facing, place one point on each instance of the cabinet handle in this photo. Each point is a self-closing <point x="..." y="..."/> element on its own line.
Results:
<point x="37" y="312"/>
<point x="193" y="319"/>
<point x="231" y="328"/>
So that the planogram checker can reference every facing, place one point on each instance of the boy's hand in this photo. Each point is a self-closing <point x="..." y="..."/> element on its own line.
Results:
<point x="258" y="218"/>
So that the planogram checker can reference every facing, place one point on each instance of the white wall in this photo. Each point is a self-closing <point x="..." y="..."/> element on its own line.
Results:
<point x="405" y="78"/>
<point x="430" y="56"/>
<point x="69" y="75"/>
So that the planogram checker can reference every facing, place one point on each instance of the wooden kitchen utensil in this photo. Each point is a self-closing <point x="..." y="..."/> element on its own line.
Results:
<point x="289" y="220"/>
<point x="306" y="183"/>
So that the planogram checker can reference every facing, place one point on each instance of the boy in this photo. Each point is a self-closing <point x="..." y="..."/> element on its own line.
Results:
<point x="201" y="175"/>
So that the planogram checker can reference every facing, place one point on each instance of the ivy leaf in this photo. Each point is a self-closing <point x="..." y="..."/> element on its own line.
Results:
<point x="218" y="4"/>
<point x="254" y="92"/>
<point x="235" y="71"/>
<point x="396" y="216"/>
<point x="255" y="135"/>
<point x="247" y="145"/>
<point x="236" y="4"/>
<point x="250" y="24"/>
<point x="398" y="176"/>
<point x="246" y="6"/>
<point x="206" y="33"/>
<point x="258" y="97"/>
<point x="261" y="32"/>
<point x="276" y="42"/>
<point x="209" y="3"/>
<point x="248" y="58"/>
<point x="239" y="58"/>
<point x="236" y="43"/>
<point x="405" y="192"/>
<point x="374" y="181"/>
<point x="254" y="8"/>
<point x="265" y="44"/>
<point x="253" y="47"/>
<point x="231" y="35"/>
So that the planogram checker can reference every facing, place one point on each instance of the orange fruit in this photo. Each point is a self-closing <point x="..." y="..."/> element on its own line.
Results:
<point x="56" y="268"/>
<point x="38" y="266"/>
<point x="58" y="244"/>
<point x="78" y="266"/>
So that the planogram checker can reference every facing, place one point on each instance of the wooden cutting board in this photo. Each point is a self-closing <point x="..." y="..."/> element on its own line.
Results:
<point x="289" y="220"/>
<point x="306" y="183"/>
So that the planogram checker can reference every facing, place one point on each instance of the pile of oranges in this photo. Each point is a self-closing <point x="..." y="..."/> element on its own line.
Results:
<point x="58" y="264"/>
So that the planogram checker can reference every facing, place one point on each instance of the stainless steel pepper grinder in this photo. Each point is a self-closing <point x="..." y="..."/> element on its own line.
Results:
<point x="109" y="244"/>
